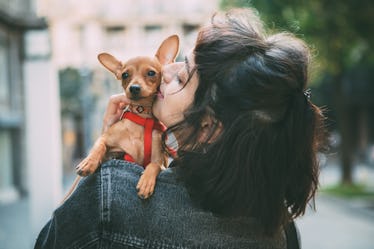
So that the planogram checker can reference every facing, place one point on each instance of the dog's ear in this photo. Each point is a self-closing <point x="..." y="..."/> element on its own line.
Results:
<point x="168" y="50"/>
<point x="111" y="63"/>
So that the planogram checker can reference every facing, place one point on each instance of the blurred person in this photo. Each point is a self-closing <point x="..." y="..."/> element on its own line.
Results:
<point x="247" y="137"/>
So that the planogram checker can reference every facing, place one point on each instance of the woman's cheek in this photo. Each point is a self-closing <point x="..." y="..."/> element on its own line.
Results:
<point x="156" y="110"/>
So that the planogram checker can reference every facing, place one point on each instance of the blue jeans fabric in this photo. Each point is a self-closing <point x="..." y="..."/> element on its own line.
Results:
<point x="105" y="212"/>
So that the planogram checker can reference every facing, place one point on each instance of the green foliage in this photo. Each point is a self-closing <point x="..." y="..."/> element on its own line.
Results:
<point x="348" y="191"/>
<point x="225" y="4"/>
<point x="70" y="91"/>
<point x="340" y="31"/>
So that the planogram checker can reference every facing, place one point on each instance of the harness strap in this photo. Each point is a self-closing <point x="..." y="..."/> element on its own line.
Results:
<point x="148" y="141"/>
<point x="128" y="158"/>
<point x="149" y="125"/>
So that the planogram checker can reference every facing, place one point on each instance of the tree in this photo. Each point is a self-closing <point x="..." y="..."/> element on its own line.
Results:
<point x="70" y="91"/>
<point x="341" y="33"/>
<point x="71" y="88"/>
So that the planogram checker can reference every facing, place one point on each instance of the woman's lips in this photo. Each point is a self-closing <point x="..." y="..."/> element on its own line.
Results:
<point x="160" y="95"/>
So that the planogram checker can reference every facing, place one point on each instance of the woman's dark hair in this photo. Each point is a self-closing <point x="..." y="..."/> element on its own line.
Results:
<point x="264" y="162"/>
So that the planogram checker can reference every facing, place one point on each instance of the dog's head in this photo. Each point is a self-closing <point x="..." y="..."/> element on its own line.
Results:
<point x="141" y="76"/>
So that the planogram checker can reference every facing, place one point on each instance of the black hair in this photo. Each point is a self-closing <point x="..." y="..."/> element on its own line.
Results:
<point x="264" y="162"/>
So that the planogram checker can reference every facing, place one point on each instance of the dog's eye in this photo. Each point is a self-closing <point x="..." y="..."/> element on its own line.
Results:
<point x="125" y="75"/>
<point x="151" y="73"/>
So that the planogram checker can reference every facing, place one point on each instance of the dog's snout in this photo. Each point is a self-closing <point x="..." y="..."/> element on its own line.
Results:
<point x="135" y="89"/>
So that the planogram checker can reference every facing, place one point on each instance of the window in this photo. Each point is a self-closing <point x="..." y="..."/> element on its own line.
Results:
<point x="190" y="33"/>
<point x="152" y="38"/>
<point x="115" y="38"/>
<point x="4" y="78"/>
<point x="7" y="189"/>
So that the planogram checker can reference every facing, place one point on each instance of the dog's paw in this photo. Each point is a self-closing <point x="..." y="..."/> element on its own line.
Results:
<point x="86" y="167"/>
<point x="146" y="184"/>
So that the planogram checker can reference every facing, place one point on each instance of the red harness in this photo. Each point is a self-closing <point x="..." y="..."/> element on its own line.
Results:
<point x="149" y="125"/>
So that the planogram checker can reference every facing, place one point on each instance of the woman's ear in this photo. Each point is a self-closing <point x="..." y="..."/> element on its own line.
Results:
<point x="210" y="130"/>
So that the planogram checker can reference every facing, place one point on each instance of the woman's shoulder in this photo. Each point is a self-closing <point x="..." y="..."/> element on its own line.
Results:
<point x="107" y="203"/>
<point x="170" y="213"/>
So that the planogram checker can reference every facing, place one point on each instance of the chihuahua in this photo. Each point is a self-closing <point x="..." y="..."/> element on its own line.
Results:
<point x="141" y="78"/>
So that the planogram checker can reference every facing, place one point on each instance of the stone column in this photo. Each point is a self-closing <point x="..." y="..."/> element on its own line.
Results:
<point x="43" y="129"/>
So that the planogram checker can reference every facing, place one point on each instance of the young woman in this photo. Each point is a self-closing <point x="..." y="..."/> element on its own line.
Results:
<point x="247" y="136"/>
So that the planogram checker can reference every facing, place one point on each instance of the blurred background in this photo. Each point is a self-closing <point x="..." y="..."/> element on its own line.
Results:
<point x="53" y="94"/>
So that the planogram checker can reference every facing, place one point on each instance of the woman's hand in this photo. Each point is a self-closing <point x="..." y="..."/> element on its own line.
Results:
<point x="114" y="110"/>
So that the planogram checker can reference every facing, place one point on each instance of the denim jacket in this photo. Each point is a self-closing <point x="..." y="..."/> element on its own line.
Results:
<point x="105" y="212"/>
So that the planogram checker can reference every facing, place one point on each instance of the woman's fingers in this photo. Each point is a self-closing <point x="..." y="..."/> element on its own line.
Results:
<point x="114" y="109"/>
<point x="116" y="104"/>
<point x="117" y="99"/>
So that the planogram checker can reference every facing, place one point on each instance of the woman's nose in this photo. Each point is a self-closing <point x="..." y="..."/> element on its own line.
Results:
<point x="169" y="71"/>
<point x="166" y="74"/>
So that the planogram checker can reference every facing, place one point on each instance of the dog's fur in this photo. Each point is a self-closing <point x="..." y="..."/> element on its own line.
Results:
<point x="141" y="77"/>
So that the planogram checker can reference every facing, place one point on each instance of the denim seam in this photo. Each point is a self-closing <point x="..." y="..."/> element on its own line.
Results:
<point x="105" y="195"/>
<point x="87" y="240"/>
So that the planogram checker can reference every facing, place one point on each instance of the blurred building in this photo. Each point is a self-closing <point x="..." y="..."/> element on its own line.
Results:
<point x="17" y="18"/>
<point x="77" y="32"/>
<point x="80" y="30"/>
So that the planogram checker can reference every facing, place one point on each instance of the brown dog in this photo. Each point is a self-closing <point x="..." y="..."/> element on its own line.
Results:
<point x="139" y="137"/>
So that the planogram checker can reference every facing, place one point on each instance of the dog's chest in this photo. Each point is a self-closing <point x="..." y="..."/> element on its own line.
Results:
<point x="126" y="129"/>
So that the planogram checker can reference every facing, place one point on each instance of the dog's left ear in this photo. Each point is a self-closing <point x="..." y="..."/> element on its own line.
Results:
<point x="168" y="50"/>
<point x="111" y="63"/>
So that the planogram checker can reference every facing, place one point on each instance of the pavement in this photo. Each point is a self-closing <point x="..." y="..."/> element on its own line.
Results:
<point x="336" y="224"/>
<point x="15" y="228"/>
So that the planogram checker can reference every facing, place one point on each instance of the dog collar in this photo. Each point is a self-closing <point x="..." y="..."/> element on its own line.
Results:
<point x="139" y="109"/>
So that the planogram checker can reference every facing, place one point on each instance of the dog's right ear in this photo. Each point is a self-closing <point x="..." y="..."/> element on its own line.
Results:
<point x="111" y="63"/>
<point x="168" y="50"/>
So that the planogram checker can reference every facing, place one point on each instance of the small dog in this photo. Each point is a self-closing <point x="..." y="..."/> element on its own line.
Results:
<point x="141" y="78"/>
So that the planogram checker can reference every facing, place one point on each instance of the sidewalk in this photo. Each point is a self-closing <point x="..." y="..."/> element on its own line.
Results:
<point x="336" y="224"/>
<point x="15" y="229"/>
<point x="340" y="223"/>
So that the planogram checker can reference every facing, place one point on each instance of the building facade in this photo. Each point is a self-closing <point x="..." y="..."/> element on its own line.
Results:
<point x="16" y="19"/>
<point x="82" y="29"/>
<point x="78" y="31"/>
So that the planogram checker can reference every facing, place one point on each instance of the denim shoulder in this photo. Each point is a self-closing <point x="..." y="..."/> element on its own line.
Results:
<point x="105" y="208"/>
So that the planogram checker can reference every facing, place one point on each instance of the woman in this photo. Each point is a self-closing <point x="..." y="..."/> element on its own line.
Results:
<point x="247" y="138"/>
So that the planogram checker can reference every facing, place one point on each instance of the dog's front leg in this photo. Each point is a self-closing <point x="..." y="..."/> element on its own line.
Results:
<point x="147" y="181"/>
<point x="92" y="161"/>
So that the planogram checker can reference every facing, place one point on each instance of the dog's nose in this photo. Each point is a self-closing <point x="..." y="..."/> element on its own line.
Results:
<point x="135" y="89"/>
